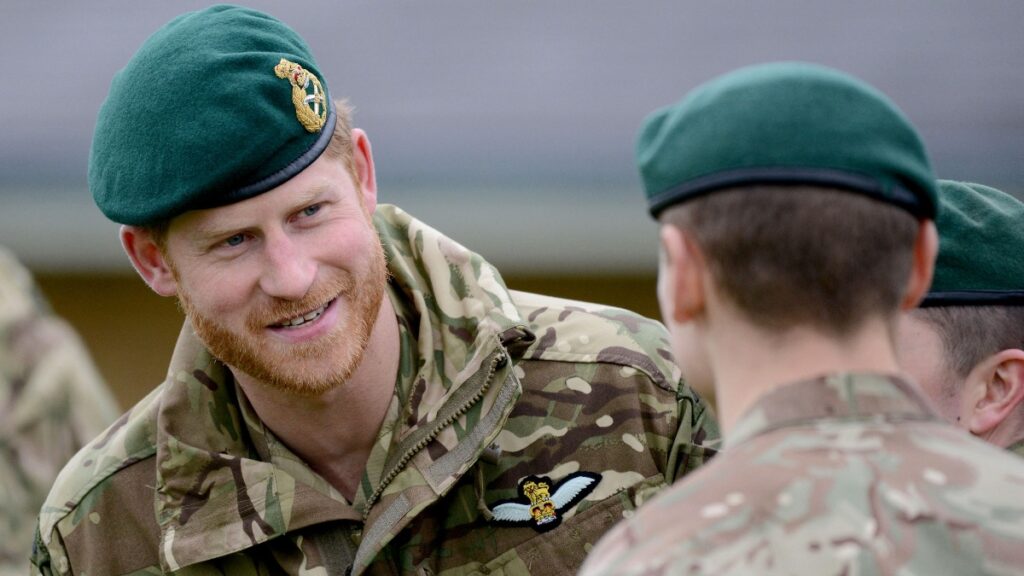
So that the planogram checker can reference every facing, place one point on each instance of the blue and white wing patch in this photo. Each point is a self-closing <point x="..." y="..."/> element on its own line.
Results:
<point x="541" y="502"/>
<point x="570" y="489"/>
<point x="512" y="512"/>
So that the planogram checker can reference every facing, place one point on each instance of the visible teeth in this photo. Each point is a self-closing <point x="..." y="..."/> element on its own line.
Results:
<point x="300" y="320"/>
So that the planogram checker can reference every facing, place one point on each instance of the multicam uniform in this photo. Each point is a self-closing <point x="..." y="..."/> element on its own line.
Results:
<point x="52" y="401"/>
<point x="521" y="429"/>
<point x="848" y="474"/>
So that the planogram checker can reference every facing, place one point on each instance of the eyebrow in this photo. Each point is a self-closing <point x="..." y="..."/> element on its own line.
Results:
<point x="205" y="233"/>
<point x="312" y="194"/>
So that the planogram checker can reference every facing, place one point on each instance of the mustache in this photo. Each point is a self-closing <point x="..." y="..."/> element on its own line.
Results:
<point x="279" y="311"/>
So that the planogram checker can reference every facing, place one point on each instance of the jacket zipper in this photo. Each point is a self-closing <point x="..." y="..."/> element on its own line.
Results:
<point x="499" y="360"/>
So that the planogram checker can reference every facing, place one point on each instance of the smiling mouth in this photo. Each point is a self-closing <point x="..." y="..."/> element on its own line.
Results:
<point x="304" y="318"/>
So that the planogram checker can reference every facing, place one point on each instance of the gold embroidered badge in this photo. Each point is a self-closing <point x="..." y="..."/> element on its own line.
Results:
<point x="307" y="95"/>
<point x="540" y="505"/>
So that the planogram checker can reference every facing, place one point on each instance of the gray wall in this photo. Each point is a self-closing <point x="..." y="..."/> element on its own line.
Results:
<point x="510" y="125"/>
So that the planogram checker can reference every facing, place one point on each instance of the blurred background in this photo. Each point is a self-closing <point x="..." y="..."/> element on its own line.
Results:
<point x="507" y="125"/>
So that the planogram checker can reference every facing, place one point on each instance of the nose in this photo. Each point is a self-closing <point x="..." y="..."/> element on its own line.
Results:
<point x="288" y="270"/>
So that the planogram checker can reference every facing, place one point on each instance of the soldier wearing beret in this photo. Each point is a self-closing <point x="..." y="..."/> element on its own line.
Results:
<point x="52" y="401"/>
<point x="796" y="206"/>
<point x="964" y="345"/>
<point x="353" y="392"/>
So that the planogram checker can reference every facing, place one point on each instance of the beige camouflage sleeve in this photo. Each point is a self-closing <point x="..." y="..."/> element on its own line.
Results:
<point x="52" y="401"/>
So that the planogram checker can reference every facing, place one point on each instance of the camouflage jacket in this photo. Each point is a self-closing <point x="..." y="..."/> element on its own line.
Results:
<point x="508" y="400"/>
<point x="52" y="401"/>
<point x="1017" y="448"/>
<point x="848" y="474"/>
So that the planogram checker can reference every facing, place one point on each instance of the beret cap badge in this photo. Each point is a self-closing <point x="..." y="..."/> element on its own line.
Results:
<point x="307" y="94"/>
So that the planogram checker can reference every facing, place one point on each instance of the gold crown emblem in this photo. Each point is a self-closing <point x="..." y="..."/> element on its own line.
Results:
<point x="537" y="492"/>
<point x="307" y="95"/>
<point x="541" y="507"/>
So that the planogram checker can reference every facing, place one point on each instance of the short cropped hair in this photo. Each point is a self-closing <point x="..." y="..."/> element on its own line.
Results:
<point x="972" y="333"/>
<point x="803" y="255"/>
<point x="339" y="148"/>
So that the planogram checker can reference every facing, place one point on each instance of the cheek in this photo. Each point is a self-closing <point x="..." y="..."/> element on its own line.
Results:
<point x="921" y="357"/>
<point x="218" y="294"/>
<point x="917" y="353"/>
<point x="925" y="375"/>
<point x="666" y="312"/>
<point x="664" y="291"/>
<point x="344" y="244"/>
<point x="692" y="361"/>
<point x="678" y="334"/>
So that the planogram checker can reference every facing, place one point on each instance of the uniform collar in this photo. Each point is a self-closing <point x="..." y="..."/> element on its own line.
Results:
<point x="844" y="396"/>
<point x="214" y="493"/>
<point x="462" y="297"/>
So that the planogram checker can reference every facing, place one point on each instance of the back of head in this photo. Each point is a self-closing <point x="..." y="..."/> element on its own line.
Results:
<point x="803" y="186"/>
<point x="802" y="255"/>
<point x="217" y="106"/>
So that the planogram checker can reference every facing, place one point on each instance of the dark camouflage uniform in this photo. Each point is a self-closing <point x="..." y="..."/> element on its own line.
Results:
<point x="848" y="474"/>
<point x="494" y="386"/>
<point x="52" y="401"/>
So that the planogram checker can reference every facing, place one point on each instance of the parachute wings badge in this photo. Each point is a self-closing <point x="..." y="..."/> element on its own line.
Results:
<point x="541" y="502"/>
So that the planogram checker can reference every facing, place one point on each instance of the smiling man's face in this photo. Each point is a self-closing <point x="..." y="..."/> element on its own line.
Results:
<point x="286" y="286"/>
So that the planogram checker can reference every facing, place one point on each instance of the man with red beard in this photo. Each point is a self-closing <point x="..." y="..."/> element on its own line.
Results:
<point x="353" y="392"/>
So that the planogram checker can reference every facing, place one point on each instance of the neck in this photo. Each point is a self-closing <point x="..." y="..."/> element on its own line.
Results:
<point x="1017" y="446"/>
<point x="335" y="431"/>
<point x="748" y="362"/>
<point x="1007" y="434"/>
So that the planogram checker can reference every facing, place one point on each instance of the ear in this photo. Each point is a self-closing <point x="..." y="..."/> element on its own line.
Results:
<point x="684" y="274"/>
<point x="994" y="390"/>
<point x="362" y="156"/>
<point x="148" y="260"/>
<point x="926" y="248"/>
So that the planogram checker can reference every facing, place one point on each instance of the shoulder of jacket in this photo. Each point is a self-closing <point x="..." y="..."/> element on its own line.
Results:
<point x="128" y="440"/>
<point x="574" y="331"/>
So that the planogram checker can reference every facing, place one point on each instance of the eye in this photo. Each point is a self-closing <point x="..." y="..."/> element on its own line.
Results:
<point x="310" y="210"/>
<point x="235" y="240"/>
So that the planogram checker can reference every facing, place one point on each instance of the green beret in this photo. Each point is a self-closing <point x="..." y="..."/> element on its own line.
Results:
<point x="981" y="239"/>
<point x="784" y="123"/>
<point x="217" y="106"/>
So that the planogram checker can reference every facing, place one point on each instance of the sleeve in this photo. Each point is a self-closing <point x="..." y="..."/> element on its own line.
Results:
<point x="52" y="402"/>
<point x="91" y="405"/>
<point x="40" y="561"/>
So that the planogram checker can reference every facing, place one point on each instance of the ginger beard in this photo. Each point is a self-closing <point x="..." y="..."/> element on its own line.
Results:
<point x="310" y="368"/>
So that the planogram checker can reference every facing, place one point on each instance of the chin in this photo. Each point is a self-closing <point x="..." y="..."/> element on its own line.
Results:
<point x="307" y="377"/>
